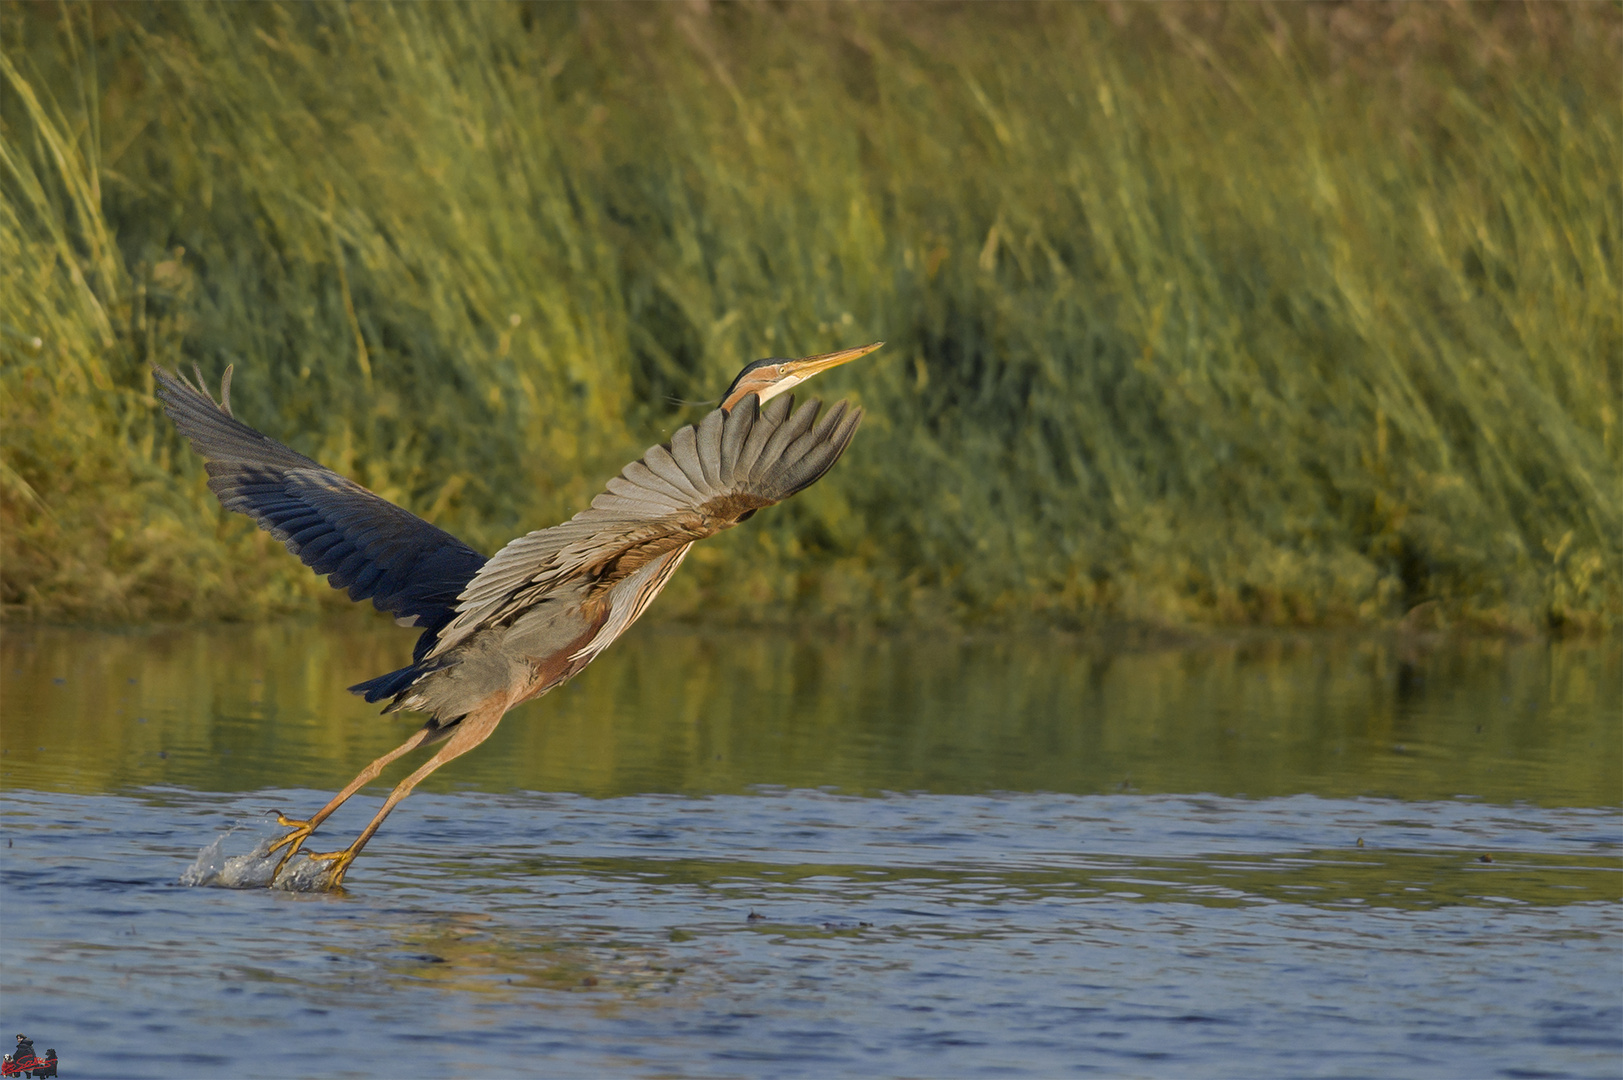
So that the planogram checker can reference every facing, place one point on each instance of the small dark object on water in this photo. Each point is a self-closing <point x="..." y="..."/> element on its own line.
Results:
<point x="1484" y="858"/>
<point x="754" y="916"/>
<point x="1360" y="841"/>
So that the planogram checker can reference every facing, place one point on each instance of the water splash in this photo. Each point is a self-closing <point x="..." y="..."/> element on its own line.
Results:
<point x="304" y="874"/>
<point x="255" y="870"/>
<point x="214" y="867"/>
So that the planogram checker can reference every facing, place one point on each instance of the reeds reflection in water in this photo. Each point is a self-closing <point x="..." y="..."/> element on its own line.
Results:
<point x="673" y="709"/>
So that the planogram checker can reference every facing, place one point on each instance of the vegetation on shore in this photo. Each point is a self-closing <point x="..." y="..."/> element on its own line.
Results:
<point x="1287" y="315"/>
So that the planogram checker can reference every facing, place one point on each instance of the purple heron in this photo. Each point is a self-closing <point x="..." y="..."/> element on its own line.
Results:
<point x="504" y="630"/>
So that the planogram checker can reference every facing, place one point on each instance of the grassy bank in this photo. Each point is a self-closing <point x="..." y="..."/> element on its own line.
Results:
<point x="1293" y="315"/>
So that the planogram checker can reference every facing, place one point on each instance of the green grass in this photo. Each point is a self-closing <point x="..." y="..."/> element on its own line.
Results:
<point x="1235" y="314"/>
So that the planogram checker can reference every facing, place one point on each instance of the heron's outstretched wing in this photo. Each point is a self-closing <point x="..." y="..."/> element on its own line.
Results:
<point x="708" y="478"/>
<point x="361" y="541"/>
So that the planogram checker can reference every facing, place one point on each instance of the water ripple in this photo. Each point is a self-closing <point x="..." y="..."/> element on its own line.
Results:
<point x="803" y="933"/>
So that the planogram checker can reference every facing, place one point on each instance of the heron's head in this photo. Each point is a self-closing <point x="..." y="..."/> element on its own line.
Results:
<point x="769" y="378"/>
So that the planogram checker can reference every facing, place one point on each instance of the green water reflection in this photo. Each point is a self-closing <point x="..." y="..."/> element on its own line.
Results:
<point x="240" y="707"/>
<point x="1407" y="880"/>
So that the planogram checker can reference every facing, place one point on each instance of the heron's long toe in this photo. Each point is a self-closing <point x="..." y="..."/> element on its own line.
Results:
<point x="340" y="861"/>
<point x="293" y="841"/>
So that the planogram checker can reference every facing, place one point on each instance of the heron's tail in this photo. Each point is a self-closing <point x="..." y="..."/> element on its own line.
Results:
<point x="387" y="686"/>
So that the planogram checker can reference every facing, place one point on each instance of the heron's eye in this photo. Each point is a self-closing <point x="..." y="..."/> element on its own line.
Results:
<point x="746" y="515"/>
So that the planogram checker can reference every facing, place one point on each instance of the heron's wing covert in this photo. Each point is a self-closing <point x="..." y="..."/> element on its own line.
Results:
<point x="361" y="541"/>
<point x="708" y="478"/>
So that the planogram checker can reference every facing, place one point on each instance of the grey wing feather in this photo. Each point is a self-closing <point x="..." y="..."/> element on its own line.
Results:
<point x="361" y="541"/>
<point x="641" y="492"/>
<point x="685" y="452"/>
<point x="709" y="447"/>
<point x="815" y="464"/>
<point x="666" y="467"/>
<point x="769" y="454"/>
<point x="796" y="426"/>
<point x="771" y="418"/>
<point x="810" y="453"/>
<point x="644" y="477"/>
<point x="733" y="433"/>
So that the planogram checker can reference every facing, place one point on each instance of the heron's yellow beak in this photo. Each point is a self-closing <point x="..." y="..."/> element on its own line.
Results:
<point x="806" y="367"/>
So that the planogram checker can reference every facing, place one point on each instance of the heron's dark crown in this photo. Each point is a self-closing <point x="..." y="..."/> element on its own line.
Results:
<point x="751" y="366"/>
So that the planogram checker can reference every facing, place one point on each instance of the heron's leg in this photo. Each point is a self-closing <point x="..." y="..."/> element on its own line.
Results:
<point x="474" y="729"/>
<point x="302" y="829"/>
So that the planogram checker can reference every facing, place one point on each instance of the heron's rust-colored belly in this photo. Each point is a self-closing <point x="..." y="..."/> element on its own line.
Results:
<point x="559" y="666"/>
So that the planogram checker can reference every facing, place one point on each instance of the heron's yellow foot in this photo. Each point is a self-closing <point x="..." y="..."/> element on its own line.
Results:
<point x="340" y="861"/>
<point x="293" y="841"/>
